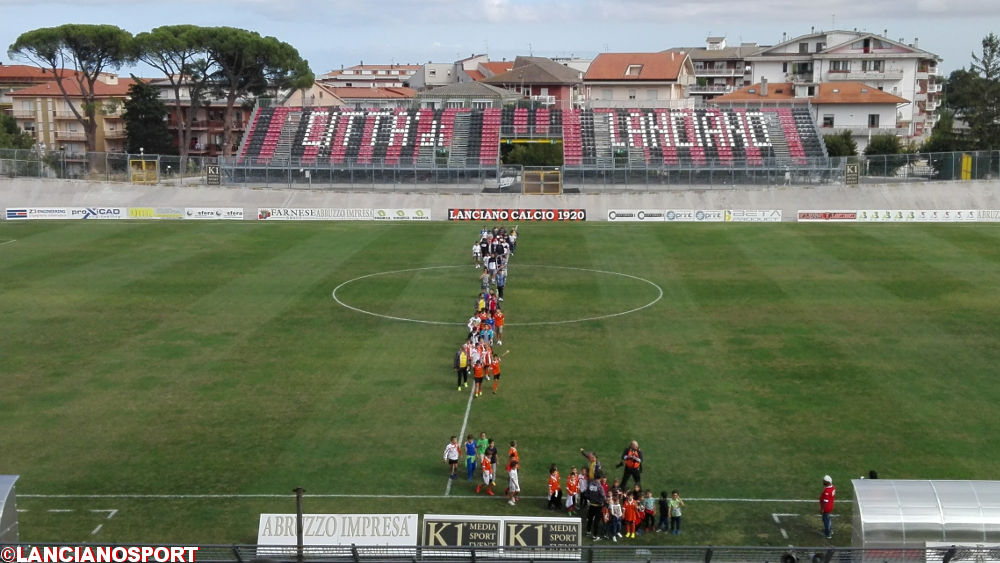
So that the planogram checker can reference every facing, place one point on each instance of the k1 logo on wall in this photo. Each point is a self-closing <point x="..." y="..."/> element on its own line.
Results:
<point x="500" y="531"/>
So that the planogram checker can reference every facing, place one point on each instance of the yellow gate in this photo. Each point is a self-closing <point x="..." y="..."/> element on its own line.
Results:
<point x="543" y="181"/>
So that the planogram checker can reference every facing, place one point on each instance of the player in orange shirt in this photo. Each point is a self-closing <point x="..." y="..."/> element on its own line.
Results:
<point x="477" y="372"/>
<point x="488" y="477"/>
<point x="555" y="488"/>
<point x="631" y="517"/>
<point x="498" y="325"/>
<point x="512" y="454"/>
<point x="495" y="367"/>
<point x="572" y="489"/>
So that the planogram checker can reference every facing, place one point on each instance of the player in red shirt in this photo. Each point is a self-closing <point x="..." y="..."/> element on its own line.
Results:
<point x="495" y="367"/>
<point x="826" y="505"/>
<point x="477" y="372"/>
<point x="555" y="488"/>
<point x="488" y="477"/>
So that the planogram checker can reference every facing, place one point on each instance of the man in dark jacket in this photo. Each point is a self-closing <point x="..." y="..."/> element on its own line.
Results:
<point x="596" y="499"/>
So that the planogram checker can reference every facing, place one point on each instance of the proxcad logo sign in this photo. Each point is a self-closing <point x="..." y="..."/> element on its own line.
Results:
<point x="101" y="212"/>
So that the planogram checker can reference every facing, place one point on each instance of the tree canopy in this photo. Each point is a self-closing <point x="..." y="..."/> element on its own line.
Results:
<point x="145" y="124"/>
<point x="841" y="144"/>
<point x="974" y="96"/>
<point x="181" y="53"/>
<point x="246" y="64"/>
<point x="11" y="136"/>
<point x="80" y="54"/>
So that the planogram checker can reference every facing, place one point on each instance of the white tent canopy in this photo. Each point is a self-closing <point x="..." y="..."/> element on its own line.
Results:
<point x="904" y="513"/>
<point x="8" y="509"/>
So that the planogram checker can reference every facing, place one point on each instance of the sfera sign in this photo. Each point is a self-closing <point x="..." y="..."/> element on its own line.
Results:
<point x="339" y="529"/>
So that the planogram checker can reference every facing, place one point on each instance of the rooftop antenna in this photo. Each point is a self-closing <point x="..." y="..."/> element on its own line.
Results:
<point x="833" y="21"/>
<point x="530" y="52"/>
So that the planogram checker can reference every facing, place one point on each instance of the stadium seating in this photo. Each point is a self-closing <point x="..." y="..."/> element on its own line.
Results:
<point x="602" y="138"/>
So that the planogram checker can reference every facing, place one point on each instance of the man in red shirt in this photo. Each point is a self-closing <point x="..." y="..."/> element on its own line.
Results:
<point x="826" y="505"/>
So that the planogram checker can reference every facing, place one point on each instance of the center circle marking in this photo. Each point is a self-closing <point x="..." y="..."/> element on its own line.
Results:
<point x="659" y="295"/>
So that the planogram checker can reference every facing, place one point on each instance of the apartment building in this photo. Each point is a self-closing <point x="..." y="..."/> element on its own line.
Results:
<point x="639" y="80"/>
<point x="42" y="111"/>
<point x="718" y="68"/>
<point x="895" y="67"/>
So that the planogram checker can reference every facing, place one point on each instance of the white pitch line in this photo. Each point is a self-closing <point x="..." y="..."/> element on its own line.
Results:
<point x="6" y="242"/>
<point x="97" y="529"/>
<point x="60" y="510"/>
<point x="111" y="511"/>
<point x="465" y="422"/>
<point x="535" y="323"/>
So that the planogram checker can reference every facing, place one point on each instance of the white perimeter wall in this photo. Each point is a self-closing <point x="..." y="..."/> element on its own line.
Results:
<point x="26" y="192"/>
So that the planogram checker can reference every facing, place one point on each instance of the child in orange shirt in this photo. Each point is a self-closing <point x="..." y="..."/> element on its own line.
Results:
<point x="498" y="325"/>
<point x="488" y="477"/>
<point x="496" y="372"/>
<point x="555" y="488"/>
<point x="478" y="378"/>
<point x="631" y="515"/>
<point x="512" y="454"/>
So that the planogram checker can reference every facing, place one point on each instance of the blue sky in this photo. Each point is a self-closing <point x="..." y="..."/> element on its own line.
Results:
<point x="332" y="33"/>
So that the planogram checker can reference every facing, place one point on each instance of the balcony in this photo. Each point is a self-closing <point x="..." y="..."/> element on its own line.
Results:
<point x="64" y="114"/>
<point x="865" y="131"/>
<point x="717" y="72"/>
<point x="114" y="133"/>
<point x="682" y="103"/>
<point x="865" y="76"/>
<point x="71" y="135"/>
<point x="543" y="100"/>
<point x="801" y="78"/>
<point x="920" y="97"/>
<point x="24" y="114"/>
<point x="709" y="89"/>
<point x="932" y="105"/>
<point x="935" y="88"/>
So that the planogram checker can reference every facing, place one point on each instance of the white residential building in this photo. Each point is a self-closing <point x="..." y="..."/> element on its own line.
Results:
<point x="897" y="68"/>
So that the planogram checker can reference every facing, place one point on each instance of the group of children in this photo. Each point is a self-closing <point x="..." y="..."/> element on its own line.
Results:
<point x="623" y="513"/>
<point x="483" y="452"/>
<point x="485" y="326"/>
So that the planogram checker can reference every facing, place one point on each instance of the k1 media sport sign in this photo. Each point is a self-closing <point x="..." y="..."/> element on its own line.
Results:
<point x="468" y="214"/>
<point x="500" y="531"/>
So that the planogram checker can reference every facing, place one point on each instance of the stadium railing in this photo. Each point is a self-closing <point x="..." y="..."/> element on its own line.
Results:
<point x="585" y="553"/>
<point x="590" y="175"/>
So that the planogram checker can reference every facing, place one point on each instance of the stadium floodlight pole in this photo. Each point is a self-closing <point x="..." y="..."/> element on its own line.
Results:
<point x="298" y="523"/>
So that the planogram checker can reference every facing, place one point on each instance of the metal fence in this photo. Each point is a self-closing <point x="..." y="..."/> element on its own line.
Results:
<point x="100" y="166"/>
<point x="441" y="174"/>
<point x="586" y="554"/>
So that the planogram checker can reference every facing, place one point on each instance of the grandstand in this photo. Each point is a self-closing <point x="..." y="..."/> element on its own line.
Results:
<point x="658" y="141"/>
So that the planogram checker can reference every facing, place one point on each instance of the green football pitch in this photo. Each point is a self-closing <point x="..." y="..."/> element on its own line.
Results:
<point x="169" y="382"/>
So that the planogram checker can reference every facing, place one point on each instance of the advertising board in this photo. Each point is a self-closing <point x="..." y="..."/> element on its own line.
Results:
<point x="469" y="214"/>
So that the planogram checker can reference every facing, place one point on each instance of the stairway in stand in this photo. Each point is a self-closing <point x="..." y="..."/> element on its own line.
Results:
<point x="283" y="151"/>
<point x="782" y="157"/>
<point x="458" y="151"/>
<point x="603" y="154"/>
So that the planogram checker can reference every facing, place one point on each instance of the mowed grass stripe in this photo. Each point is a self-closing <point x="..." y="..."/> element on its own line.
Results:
<point x="779" y="353"/>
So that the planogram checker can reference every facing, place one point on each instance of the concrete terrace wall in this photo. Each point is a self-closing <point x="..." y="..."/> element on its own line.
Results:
<point x="28" y="192"/>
